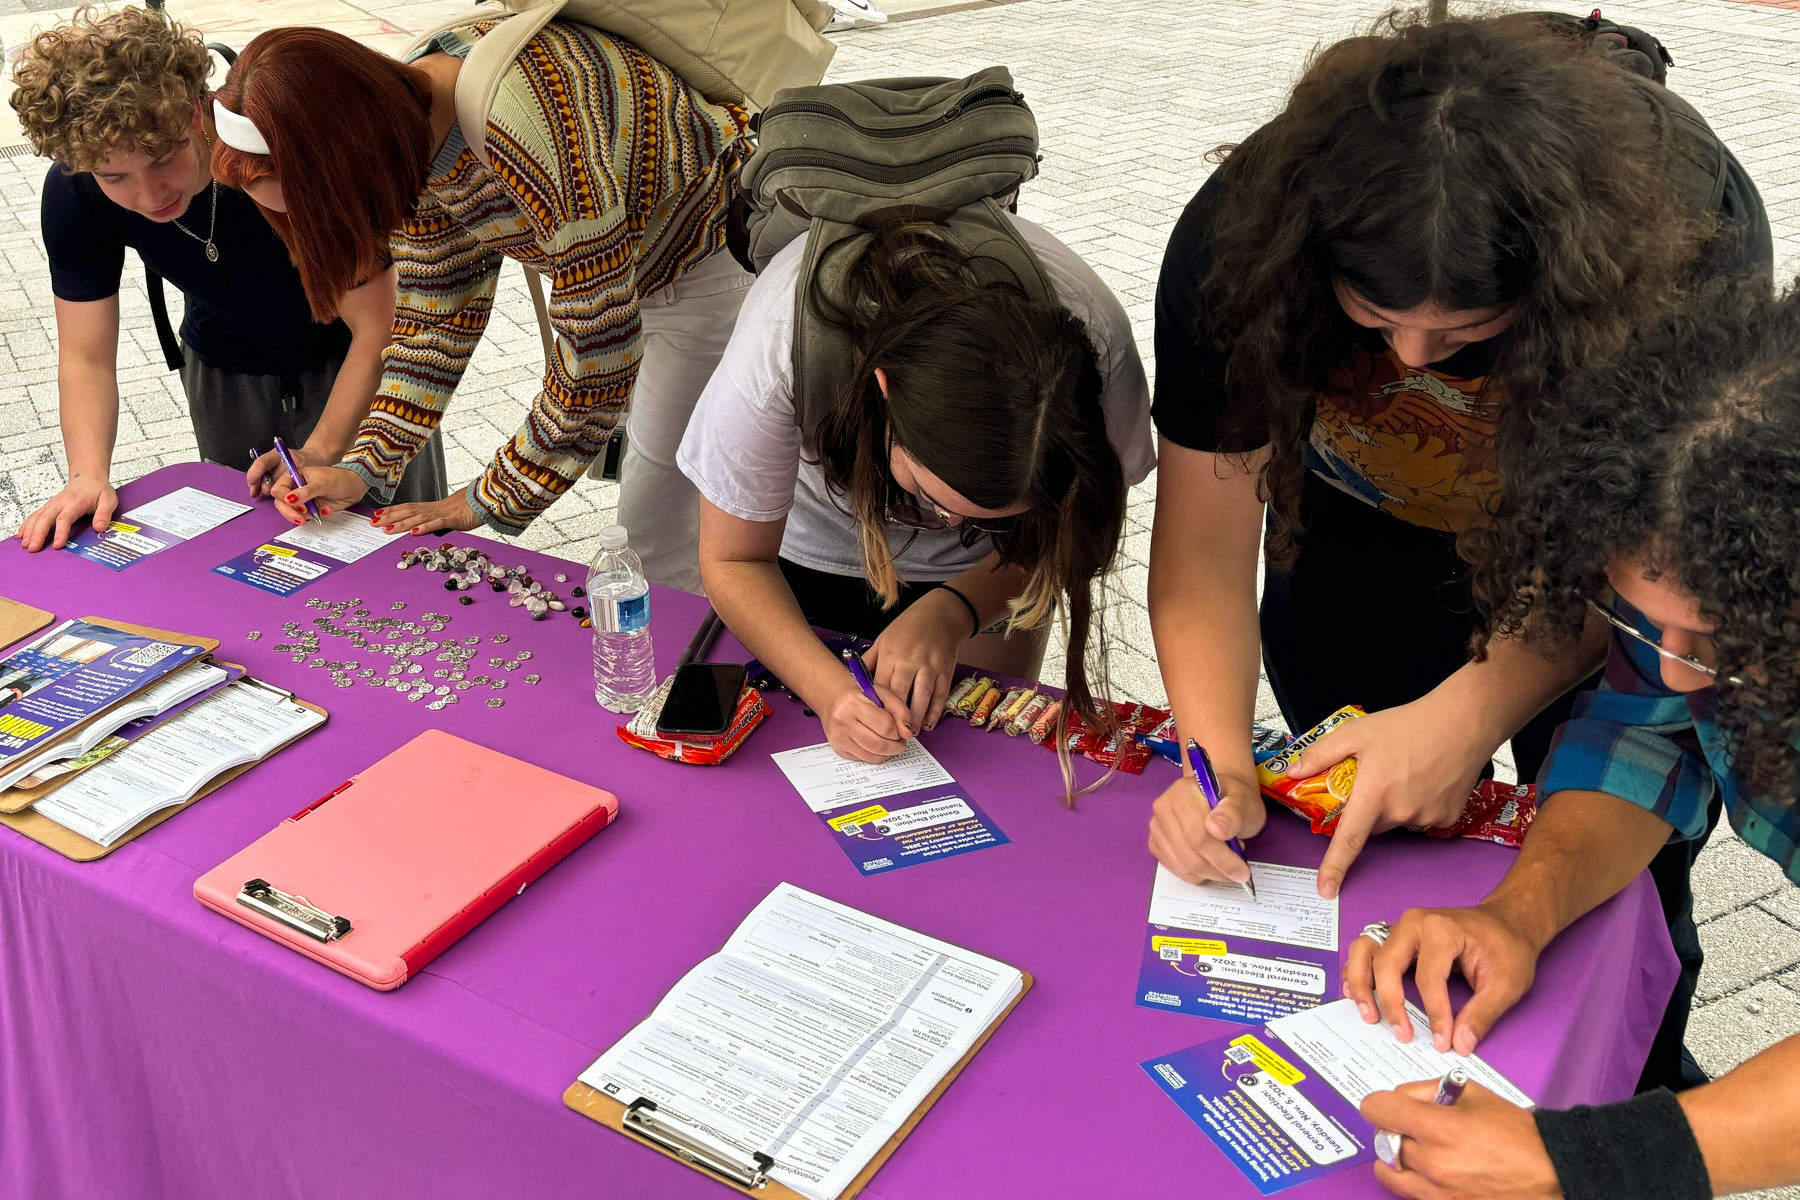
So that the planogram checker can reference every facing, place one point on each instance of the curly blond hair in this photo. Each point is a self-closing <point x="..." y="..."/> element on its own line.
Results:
<point x="107" y="83"/>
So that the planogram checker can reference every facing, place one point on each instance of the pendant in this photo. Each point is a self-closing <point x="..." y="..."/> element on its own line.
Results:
<point x="212" y="252"/>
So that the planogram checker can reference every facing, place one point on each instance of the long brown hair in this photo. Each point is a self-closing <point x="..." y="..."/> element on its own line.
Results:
<point x="349" y="136"/>
<point x="998" y="395"/>
<point x="1472" y="163"/>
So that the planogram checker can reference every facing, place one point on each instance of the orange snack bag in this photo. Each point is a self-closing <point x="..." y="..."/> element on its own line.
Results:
<point x="1320" y="798"/>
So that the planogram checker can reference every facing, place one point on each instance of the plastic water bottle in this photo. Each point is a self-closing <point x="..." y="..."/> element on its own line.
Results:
<point x="619" y="604"/>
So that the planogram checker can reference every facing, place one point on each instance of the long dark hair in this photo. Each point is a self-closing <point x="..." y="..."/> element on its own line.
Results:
<point x="999" y="396"/>
<point x="1473" y="163"/>
<point x="1682" y="455"/>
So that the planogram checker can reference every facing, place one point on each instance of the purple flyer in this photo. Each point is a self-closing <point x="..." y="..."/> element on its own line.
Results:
<point x="153" y="527"/>
<point x="890" y="815"/>
<point x="1212" y="951"/>
<point x="306" y="553"/>
<point x="63" y="677"/>
<point x="1272" y="1116"/>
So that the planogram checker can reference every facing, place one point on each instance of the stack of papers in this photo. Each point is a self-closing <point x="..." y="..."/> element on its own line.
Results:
<point x="811" y="1037"/>
<point x="153" y="701"/>
<point x="240" y="723"/>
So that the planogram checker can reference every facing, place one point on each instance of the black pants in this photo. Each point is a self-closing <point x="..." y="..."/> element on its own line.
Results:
<point x="237" y="414"/>
<point x="845" y="603"/>
<point x="1377" y="612"/>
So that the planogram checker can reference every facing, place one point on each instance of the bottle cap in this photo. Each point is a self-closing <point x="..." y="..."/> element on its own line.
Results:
<point x="612" y="537"/>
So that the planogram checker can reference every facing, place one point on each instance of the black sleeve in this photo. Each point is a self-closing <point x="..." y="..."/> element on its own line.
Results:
<point x="85" y="242"/>
<point x="1189" y="407"/>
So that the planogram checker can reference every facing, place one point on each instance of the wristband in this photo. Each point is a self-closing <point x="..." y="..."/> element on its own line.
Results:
<point x="974" y="616"/>
<point x="1641" y="1147"/>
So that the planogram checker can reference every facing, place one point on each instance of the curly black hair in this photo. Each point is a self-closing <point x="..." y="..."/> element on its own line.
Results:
<point x="1472" y="163"/>
<point x="1683" y="455"/>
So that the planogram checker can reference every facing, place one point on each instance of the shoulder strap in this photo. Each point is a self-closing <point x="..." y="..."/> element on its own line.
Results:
<point x="517" y="21"/>
<point x="173" y="358"/>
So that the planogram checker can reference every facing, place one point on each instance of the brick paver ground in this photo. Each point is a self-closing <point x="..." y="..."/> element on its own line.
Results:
<point x="1129" y="94"/>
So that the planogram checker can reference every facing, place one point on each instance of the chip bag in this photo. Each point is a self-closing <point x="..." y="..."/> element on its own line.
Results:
<point x="1320" y="799"/>
<point x="640" y="731"/>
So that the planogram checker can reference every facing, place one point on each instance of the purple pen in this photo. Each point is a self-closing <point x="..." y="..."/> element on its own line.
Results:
<point x="1209" y="788"/>
<point x="1450" y="1090"/>
<point x="860" y="673"/>
<point x="293" y="470"/>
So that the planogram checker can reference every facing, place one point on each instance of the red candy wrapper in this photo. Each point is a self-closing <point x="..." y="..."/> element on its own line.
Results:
<point x="1496" y="812"/>
<point x="697" y="751"/>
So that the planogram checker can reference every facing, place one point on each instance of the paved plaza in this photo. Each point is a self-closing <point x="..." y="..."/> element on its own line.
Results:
<point x="1130" y="94"/>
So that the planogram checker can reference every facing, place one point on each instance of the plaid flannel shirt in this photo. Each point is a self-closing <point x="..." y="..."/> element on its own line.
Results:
<point x="1634" y="738"/>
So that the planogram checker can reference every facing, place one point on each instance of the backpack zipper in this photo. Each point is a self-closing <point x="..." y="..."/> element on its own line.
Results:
<point x="980" y="99"/>
<point x="782" y="159"/>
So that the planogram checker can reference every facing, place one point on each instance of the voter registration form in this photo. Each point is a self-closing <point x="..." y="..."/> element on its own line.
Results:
<point x="811" y="1037"/>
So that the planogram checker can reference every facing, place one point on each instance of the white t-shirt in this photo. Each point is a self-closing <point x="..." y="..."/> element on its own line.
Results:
<point x="742" y="448"/>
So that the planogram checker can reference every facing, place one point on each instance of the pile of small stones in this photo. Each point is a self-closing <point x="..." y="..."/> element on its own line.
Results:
<point x="464" y="567"/>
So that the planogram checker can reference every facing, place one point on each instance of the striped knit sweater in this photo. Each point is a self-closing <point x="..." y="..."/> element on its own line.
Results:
<point x="611" y="176"/>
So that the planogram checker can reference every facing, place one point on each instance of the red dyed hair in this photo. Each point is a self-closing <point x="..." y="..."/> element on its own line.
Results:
<point x="349" y="133"/>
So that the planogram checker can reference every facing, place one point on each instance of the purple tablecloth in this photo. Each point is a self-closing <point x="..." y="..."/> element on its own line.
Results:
<point x="150" y="1048"/>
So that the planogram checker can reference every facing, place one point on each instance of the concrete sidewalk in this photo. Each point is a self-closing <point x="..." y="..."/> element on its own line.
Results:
<point x="1129" y="94"/>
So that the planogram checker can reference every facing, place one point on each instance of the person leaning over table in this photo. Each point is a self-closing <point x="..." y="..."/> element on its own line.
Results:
<point x="119" y="100"/>
<point x="964" y="481"/>
<point x="1363" y="320"/>
<point x="608" y="173"/>
<point x="1661" y="497"/>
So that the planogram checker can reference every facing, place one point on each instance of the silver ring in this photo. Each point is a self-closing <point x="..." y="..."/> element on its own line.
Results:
<point x="1387" y="1148"/>
<point x="1377" y="932"/>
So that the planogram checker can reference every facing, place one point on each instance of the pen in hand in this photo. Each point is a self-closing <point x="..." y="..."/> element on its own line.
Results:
<point x="860" y="673"/>
<point x="1209" y="788"/>
<point x="1450" y="1090"/>
<point x="293" y="470"/>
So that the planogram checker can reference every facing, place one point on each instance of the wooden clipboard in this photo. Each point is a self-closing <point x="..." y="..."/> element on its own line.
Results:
<point x="19" y="621"/>
<point x="598" y="1106"/>
<point x="69" y="844"/>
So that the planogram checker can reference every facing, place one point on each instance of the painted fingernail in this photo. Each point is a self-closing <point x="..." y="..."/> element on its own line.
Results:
<point x="323" y="511"/>
<point x="415" y="529"/>
<point x="290" y="497"/>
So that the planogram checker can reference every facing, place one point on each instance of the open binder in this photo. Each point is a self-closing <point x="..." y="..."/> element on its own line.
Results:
<point x="70" y="844"/>
<point x="669" y="1133"/>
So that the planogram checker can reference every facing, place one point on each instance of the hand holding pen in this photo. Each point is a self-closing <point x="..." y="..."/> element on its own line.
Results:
<point x="1453" y="1137"/>
<point x="1208" y="783"/>
<point x="864" y="724"/>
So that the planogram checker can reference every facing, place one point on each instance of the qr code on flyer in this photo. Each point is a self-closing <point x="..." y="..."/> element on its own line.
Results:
<point x="149" y="656"/>
<point x="1238" y="1054"/>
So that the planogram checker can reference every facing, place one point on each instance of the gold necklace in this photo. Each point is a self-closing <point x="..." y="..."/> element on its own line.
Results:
<point x="212" y="251"/>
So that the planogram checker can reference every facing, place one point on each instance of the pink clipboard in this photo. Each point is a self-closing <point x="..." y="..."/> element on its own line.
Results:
<point x="377" y="878"/>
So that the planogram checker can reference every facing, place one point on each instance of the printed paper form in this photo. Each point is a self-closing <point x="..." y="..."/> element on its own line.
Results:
<point x="1357" y="1059"/>
<point x="826" y="781"/>
<point x="811" y="1037"/>
<point x="1287" y="907"/>
<point x="239" y="723"/>
<point x="345" y="536"/>
<point x="185" y="512"/>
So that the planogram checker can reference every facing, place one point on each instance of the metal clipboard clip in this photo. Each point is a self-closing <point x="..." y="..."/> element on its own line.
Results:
<point x="293" y="911"/>
<point x="688" y="1143"/>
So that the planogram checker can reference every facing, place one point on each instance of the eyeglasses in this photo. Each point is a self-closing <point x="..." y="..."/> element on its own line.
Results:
<point x="1619" y="622"/>
<point x="917" y="512"/>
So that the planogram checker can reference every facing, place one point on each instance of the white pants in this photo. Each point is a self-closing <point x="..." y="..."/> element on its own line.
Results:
<point x="685" y="328"/>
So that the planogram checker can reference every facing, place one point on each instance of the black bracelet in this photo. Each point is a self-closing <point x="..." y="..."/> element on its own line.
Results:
<point x="1642" y="1147"/>
<point x="969" y="604"/>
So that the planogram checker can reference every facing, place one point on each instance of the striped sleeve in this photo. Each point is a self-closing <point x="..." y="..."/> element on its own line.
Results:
<point x="446" y="294"/>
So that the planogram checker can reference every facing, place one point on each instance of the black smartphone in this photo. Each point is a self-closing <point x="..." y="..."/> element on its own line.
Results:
<point x="702" y="700"/>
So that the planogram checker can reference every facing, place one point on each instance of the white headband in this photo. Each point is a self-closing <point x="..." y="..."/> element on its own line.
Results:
<point x="238" y="131"/>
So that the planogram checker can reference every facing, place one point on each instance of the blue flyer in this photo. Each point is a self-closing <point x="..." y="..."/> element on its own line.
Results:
<point x="306" y="553"/>
<point x="1284" y="1102"/>
<point x="890" y="815"/>
<point x="61" y="678"/>
<point x="1212" y="951"/>
<point x="153" y="527"/>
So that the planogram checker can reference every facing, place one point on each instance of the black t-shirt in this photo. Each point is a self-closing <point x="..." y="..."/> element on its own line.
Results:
<point x="1410" y="441"/>
<point x="244" y="313"/>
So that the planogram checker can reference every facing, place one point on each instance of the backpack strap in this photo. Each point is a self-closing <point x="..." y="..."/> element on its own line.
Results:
<point x="997" y="253"/>
<point x="173" y="358"/>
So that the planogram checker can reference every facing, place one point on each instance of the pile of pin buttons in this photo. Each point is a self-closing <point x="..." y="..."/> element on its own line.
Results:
<point x="409" y="644"/>
<point x="464" y="567"/>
